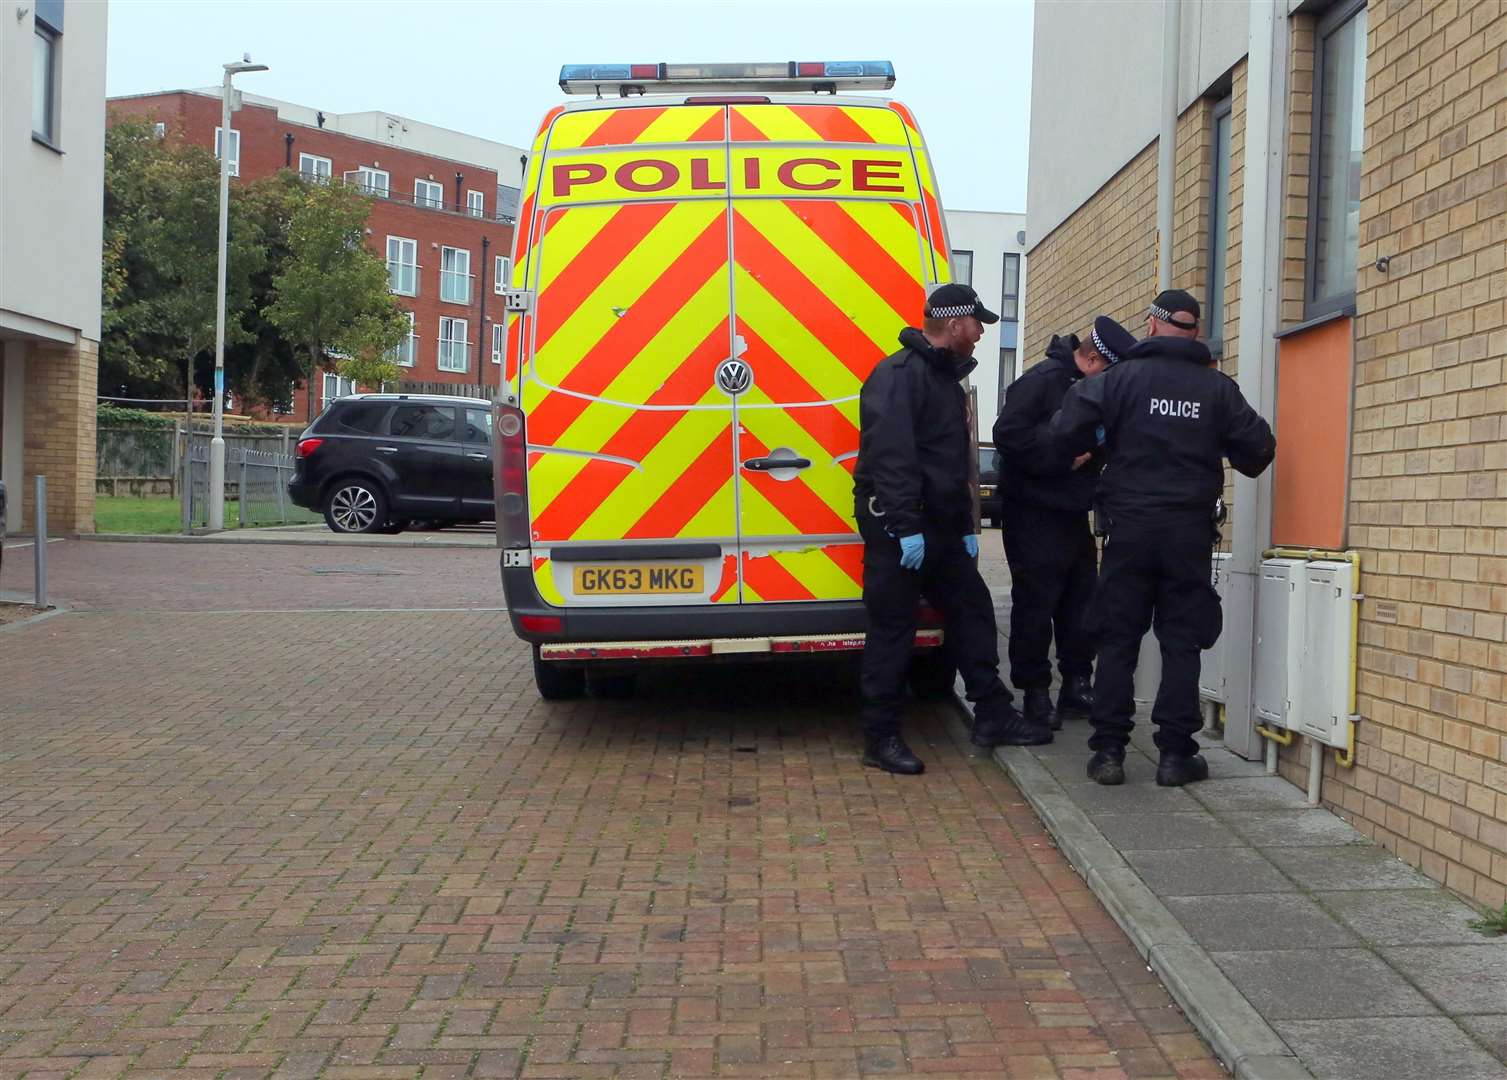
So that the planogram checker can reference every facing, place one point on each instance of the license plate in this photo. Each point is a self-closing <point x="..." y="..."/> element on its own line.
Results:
<point x="629" y="579"/>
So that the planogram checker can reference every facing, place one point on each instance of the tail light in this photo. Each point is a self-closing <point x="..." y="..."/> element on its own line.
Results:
<point x="509" y="484"/>
<point x="306" y="447"/>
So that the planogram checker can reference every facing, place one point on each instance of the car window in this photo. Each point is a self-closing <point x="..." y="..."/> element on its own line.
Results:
<point x="364" y="417"/>
<point x="478" y="426"/>
<point x="422" y="422"/>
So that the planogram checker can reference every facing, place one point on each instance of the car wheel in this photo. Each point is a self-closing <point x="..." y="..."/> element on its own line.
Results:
<point x="354" y="505"/>
<point x="557" y="681"/>
<point x="931" y="675"/>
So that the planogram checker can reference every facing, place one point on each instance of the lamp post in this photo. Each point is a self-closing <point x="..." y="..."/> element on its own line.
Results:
<point x="217" y="444"/>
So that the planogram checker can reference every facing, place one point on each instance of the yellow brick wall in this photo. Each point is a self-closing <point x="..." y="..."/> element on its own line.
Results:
<point x="1428" y="488"/>
<point x="61" y="388"/>
<point x="1100" y="261"/>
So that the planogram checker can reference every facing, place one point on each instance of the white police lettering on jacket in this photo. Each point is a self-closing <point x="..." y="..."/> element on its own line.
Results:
<point x="1161" y="406"/>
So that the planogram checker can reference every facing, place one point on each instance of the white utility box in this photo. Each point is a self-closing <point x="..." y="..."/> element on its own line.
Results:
<point x="1321" y="690"/>
<point x="1211" y="662"/>
<point x="1279" y="638"/>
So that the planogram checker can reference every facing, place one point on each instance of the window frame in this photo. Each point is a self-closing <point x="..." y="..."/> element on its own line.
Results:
<point x="425" y="200"/>
<point x="53" y="38"/>
<point x="315" y="176"/>
<point x="480" y="209"/>
<point x="1008" y="311"/>
<point x="952" y="265"/>
<point x="401" y="240"/>
<point x="462" y="341"/>
<point x="1223" y="110"/>
<point x="409" y="344"/>
<point x="502" y="273"/>
<point x="1315" y="307"/>
<point x="465" y="275"/>
<point x="235" y="145"/>
<point x="1006" y="374"/>
<point x="499" y="341"/>
<point x="366" y="175"/>
<point x="324" y="388"/>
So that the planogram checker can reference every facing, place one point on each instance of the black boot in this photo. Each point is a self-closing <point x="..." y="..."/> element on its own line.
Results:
<point x="1107" y="767"/>
<point x="997" y="723"/>
<point x="892" y="755"/>
<point x="1038" y="709"/>
<point x="1076" y="698"/>
<point x="1175" y="770"/>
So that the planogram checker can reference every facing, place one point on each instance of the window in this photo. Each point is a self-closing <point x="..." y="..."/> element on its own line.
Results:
<point x="403" y="354"/>
<point x="452" y="344"/>
<point x="336" y="386"/>
<point x="475" y="203"/>
<point x="235" y="149"/>
<point x="362" y="416"/>
<point x="44" y="78"/>
<point x="499" y="338"/>
<point x="1009" y="301"/>
<point x="403" y="266"/>
<point x="422" y="422"/>
<point x="1219" y="229"/>
<point x="314" y="169"/>
<point x="1335" y="160"/>
<point x="159" y="130"/>
<point x="428" y="193"/>
<point x="371" y="181"/>
<point x="1006" y="375"/>
<point x="455" y="275"/>
<point x="962" y="267"/>
<point x="501" y="275"/>
<point x="478" y="426"/>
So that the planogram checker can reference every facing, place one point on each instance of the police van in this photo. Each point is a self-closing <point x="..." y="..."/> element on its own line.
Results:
<point x="708" y="261"/>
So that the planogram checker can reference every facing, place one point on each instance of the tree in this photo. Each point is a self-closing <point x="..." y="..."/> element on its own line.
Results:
<point x="161" y="259"/>
<point x="332" y="294"/>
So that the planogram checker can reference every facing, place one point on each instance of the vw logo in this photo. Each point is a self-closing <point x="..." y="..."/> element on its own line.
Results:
<point x="734" y="376"/>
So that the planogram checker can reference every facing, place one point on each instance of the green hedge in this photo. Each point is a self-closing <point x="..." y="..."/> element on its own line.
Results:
<point x="114" y="416"/>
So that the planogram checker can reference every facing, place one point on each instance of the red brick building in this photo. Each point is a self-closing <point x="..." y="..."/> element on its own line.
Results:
<point x="442" y="218"/>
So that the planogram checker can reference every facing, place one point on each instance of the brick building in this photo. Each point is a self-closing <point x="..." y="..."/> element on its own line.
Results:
<point x="443" y="216"/>
<point x="1334" y="189"/>
<point x="52" y="167"/>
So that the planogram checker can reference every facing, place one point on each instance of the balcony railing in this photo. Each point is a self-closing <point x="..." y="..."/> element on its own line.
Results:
<point x="403" y="278"/>
<point x="455" y="286"/>
<point x="377" y="191"/>
<point x="452" y="355"/>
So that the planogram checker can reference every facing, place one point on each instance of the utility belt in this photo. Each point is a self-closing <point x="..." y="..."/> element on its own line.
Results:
<point x="1104" y="522"/>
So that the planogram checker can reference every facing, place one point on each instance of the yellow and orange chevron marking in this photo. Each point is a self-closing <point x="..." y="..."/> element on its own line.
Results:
<point x="638" y="226"/>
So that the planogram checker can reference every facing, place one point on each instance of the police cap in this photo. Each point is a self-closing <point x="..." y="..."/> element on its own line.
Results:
<point x="1111" y="340"/>
<point x="951" y="301"/>
<point x="1170" y="303"/>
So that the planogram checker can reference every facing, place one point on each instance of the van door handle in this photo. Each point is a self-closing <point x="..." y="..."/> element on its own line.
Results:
<point x="480" y="457"/>
<point x="764" y="464"/>
<point x="386" y="449"/>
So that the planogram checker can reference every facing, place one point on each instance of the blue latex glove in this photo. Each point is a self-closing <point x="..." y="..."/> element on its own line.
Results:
<point x="971" y="545"/>
<point x="912" y="551"/>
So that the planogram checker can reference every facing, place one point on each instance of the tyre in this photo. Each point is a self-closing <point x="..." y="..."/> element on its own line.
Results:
<point x="392" y="528"/>
<point x="931" y="675"/>
<point x="556" y="681"/>
<point x="355" y="505"/>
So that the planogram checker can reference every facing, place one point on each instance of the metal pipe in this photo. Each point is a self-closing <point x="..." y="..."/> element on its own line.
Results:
<point x="1166" y="147"/>
<point x="1315" y="770"/>
<point x="1271" y="758"/>
<point x="39" y="547"/>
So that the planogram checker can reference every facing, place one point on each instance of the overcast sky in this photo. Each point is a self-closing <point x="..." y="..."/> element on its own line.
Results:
<point x="491" y="67"/>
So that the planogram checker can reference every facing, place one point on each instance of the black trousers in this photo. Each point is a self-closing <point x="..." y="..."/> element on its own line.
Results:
<point x="1161" y="579"/>
<point x="951" y="583"/>
<point x="1053" y="566"/>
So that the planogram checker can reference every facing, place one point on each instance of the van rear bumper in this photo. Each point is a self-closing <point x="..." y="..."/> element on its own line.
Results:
<point x="656" y="623"/>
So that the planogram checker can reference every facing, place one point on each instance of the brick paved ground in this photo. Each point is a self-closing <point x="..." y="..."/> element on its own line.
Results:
<point x="356" y="845"/>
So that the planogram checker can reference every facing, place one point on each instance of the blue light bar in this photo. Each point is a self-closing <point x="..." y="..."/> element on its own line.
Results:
<point x="817" y="76"/>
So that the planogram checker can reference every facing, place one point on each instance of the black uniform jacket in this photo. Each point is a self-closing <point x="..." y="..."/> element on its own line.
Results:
<point x="913" y="440"/>
<point x="1030" y="472"/>
<point x="1169" y="419"/>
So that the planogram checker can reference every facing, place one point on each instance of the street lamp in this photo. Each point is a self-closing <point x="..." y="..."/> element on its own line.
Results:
<point x="229" y="102"/>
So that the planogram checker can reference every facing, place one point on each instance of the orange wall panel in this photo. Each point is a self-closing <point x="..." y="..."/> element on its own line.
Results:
<point x="1314" y="377"/>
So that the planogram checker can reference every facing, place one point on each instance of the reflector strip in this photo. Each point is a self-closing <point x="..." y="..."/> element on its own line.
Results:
<point x="666" y="650"/>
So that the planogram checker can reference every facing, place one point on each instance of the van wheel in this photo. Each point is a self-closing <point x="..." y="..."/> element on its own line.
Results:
<point x="355" y="505"/>
<point x="614" y="687"/>
<point x="557" y="681"/>
<point x="931" y="675"/>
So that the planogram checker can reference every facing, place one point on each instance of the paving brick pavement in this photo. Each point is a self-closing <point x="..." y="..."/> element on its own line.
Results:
<point x="357" y="845"/>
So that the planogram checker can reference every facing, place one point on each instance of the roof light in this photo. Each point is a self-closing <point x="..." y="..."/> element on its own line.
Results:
<point x="816" y="76"/>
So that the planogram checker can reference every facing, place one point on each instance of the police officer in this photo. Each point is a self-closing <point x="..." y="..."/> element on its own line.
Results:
<point x="1045" y="497"/>
<point x="915" y="513"/>
<point x="1169" y="418"/>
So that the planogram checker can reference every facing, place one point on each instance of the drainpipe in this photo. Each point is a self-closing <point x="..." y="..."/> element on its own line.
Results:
<point x="1166" y="144"/>
<point x="485" y="342"/>
<point x="1260" y="297"/>
<point x="287" y="149"/>
<point x="459" y="176"/>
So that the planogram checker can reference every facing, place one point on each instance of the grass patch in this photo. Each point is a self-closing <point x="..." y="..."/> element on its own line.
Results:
<point x="1494" y="923"/>
<point x="132" y="514"/>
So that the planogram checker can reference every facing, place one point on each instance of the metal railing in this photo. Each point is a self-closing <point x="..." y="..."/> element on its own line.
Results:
<point x="370" y="187"/>
<point x="255" y="480"/>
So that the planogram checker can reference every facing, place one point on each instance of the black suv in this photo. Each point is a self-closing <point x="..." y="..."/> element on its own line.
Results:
<point x="380" y="462"/>
<point x="989" y="500"/>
